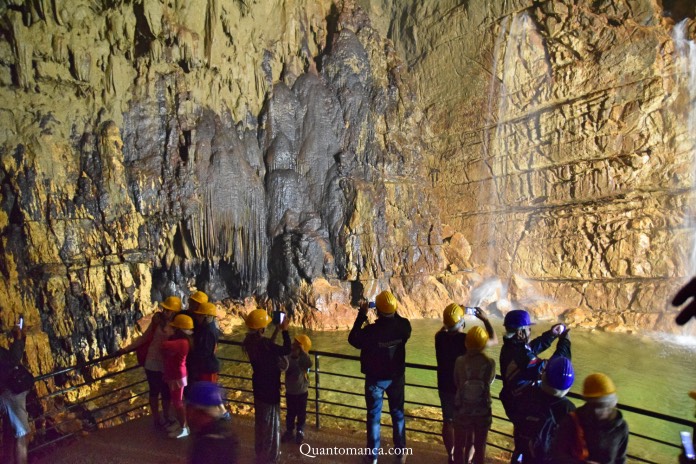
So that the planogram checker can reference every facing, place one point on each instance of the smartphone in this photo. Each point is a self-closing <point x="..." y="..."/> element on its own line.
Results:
<point x="687" y="445"/>
<point x="470" y="310"/>
<point x="278" y="317"/>
<point x="371" y="305"/>
<point x="20" y="323"/>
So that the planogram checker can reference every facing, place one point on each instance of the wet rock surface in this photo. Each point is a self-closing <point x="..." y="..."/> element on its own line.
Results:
<point x="524" y="153"/>
<point x="152" y="149"/>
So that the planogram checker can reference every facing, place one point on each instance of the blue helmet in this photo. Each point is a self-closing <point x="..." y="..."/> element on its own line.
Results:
<point x="517" y="318"/>
<point x="205" y="394"/>
<point x="559" y="373"/>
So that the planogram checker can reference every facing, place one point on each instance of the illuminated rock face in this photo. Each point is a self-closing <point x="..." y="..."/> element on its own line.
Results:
<point x="565" y="156"/>
<point x="151" y="148"/>
<point x="286" y="149"/>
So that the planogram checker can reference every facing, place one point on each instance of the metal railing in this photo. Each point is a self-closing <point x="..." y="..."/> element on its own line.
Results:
<point x="107" y="403"/>
<point x="501" y="424"/>
<point x="235" y="380"/>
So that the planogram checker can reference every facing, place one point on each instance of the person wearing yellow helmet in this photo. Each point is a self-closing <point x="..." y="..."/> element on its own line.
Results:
<point x="382" y="348"/>
<point x="297" y="387"/>
<point x="265" y="355"/>
<point x="449" y="345"/>
<point x="202" y="363"/>
<point x="148" y="350"/>
<point x="473" y="374"/>
<point x="596" y="431"/>
<point x="195" y="300"/>
<point x="174" y="352"/>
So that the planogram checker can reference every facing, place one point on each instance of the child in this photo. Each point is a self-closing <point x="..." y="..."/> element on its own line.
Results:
<point x="473" y="374"/>
<point x="296" y="386"/>
<point x="174" y="352"/>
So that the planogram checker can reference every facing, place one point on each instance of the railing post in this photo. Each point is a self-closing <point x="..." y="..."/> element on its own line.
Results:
<point x="316" y="390"/>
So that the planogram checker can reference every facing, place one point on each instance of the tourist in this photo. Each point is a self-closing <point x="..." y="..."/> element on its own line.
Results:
<point x="449" y="345"/>
<point x="213" y="440"/>
<point x="174" y="352"/>
<point x="542" y="408"/>
<point x="296" y="388"/>
<point x="596" y="431"/>
<point x="383" y="361"/>
<point x="264" y="356"/>
<point x="194" y="301"/>
<point x="149" y="355"/>
<point x="13" y="402"/>
<point x="520" y="367"/>
<point x="473" y="374"/>
<point x="202" y="363"/>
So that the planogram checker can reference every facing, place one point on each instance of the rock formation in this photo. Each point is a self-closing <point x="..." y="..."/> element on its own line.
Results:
<point x="503" y="153"/>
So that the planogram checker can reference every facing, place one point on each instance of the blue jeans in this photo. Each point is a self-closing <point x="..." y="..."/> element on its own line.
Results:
<point x="374" y="395"/>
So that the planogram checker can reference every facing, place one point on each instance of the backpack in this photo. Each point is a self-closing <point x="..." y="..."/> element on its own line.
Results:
<point x="473" y="396"/>
<point x="20" y="379"/>
<point x="537" y="427"/>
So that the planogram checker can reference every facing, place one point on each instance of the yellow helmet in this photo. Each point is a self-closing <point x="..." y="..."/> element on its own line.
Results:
<point x="171" y="303"/>
<point x="182" y="321"/>
<point x="199" y="297"/>
<point x="257" y="319"/>
<point x="304" y="341"/>
<point x="206" y="309"/>
<point x="452" y="314"/>
<point x="386" y="302"/>
<point x="476" y="339"/>
<point x="598" y="385"/>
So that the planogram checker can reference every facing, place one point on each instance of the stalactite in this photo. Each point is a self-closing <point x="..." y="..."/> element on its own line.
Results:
<point x="212" y="16"/>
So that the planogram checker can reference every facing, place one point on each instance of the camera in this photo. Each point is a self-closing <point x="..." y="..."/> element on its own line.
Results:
<point x="278" y="317"/>
<point x="470" y="310"/>
<point x="372" y="305"/>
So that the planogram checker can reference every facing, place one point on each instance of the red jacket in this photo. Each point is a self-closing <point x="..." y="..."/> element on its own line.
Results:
<point x="174" y="353"/>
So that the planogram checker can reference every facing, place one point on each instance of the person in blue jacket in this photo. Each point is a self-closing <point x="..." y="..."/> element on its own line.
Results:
<point x="520" y="366"/>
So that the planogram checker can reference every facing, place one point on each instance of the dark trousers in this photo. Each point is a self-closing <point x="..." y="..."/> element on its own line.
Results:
<point x="297" y="409"/>
<point x="266" y="432"/>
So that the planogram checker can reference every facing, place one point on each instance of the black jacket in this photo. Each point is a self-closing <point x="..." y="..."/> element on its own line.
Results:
<point x="538" y="417"/>
<point x="382" y="345"/>
<point x="448" y="347"/>
<point x="264" y="357"/>
<point x="519" y="364"/>
<point x="201" y="359"/>
<point x="10" y="358"/>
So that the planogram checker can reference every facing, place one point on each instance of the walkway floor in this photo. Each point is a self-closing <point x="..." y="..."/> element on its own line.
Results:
<point x="137" y="443"/>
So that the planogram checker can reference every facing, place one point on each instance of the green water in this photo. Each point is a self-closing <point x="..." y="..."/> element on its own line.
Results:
<point x="650" y="372"/>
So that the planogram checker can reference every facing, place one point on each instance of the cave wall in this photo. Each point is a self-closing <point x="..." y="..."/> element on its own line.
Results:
<point x="562" y="147"/>
<point x="268" y="149"/>
<point x="533" y="153"/>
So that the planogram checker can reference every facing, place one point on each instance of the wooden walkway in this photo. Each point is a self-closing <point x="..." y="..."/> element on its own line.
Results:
<point x="136" y="442"/>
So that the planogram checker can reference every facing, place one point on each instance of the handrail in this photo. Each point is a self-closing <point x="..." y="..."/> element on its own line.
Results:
<point x="317" y="400"/>
<point x="622" y="406"/>
<point x="317" y="354"/>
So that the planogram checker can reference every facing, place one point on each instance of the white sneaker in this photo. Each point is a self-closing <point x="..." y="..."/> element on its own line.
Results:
<point x="181" y="433"/>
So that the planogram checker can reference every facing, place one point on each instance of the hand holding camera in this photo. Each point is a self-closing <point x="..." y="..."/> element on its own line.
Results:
<point x="558" y="329"/>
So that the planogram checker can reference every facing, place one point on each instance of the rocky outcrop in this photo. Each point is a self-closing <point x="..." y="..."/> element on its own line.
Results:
<point x="493" y="153"/>
<point x="154" y="148"/>
<point x="564" y="154"/>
